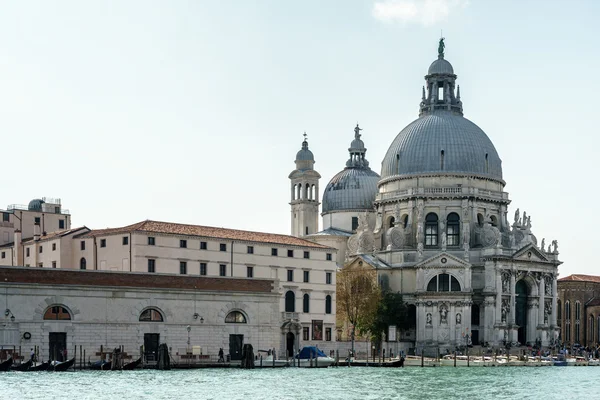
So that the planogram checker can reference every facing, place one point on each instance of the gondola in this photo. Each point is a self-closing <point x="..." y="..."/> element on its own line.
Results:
<point x="5" y="365"/>
<point x="132" y="365"/>
<point x="63" y="366"/>
<point x="40" y="367"/>
<point x="23" y="366"/>
<point x="100" y="365"/>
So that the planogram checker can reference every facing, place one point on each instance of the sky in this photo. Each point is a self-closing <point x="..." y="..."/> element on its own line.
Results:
<point x="193" y="111"/>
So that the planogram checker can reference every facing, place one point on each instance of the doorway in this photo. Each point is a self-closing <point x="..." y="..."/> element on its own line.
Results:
<point x="290" y="340"/>
<point x="521" y="290"/>
<point x="151" y="341"/>
<point x="58" y="346"/>
<point x="236" y="342"/>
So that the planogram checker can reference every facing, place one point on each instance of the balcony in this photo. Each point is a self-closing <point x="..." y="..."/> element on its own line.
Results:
<point x="452" y="191"/>
<point x="285" y="316"/>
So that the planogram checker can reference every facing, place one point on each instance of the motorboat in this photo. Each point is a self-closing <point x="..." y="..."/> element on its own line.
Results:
<point x="593" y="362"/>
<point x="465" y="361"/>
<point x="415" y="361"/>
<point x="581" y="362"/>
<point x="312" y="357"/>
<point x="268" y="361"/>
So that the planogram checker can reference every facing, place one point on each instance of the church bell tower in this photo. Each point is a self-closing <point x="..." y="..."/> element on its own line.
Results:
<point x="304" y="193"/>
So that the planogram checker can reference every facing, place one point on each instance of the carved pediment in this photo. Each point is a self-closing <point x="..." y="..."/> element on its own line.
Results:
<point x="444" y="261"/>
<point x="530" y="253"/>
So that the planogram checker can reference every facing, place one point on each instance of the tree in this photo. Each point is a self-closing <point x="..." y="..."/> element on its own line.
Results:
<point x="391" y="310"/>
<point x="357" y="297"/>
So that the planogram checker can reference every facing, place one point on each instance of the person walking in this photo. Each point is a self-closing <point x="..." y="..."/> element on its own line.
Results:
<point x="221" y="359"/>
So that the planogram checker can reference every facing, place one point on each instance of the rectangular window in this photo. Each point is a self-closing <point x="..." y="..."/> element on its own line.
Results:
<point x="183" y="244"/>
<point x="328" y="334"/>
<point x="102" y="242"/>
<point x="125" y="240"/>
<point x="354" y="223"/>
<point x="183" y="267"/>
<point x="37" y="220"/>
<point x="82" y="245"/>
<point x="290" y="275"/>
<point x="53" y="264"/>
<point x="250" y="249"/>
<point x="328" y="257"/>
<point x="202" y="268"/>
<point x="290" y="253"/>
<point x="328" y="278"/>
<point x="151" y="241"/>
<point x="273" y="252"/>
<point x="3" y="254"/>
<point x="203" y="246"/>
<point x="250" y="272"/>
<point x="306" y="276"/>
<point x="307" y="254"/>
<point x="151" y="265"/>
<point x="53" y="246"/>
<point x="61" y="224"/>
<point x="222" y="247"/>
<point x="222" y="270"/>
<point x="5" y="217"/>
<point x="305" y="333"/>
<point x="27" y="252"/>
<point x="41" y="249"/>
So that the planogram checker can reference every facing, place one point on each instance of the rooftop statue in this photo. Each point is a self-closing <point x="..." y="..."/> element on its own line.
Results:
<point x="357" y="132"/>
<point x="441" y="48"/>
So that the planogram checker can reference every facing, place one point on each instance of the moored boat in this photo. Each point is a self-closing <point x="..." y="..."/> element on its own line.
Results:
<point x="267" y="361"/>
<point x="63" y="366"/>
<point x="100" y="365"/>
<point x="23" y="366"/>
<point x="40" y="367"/>
<point x="132" y="365"/>
<point x="415" y="361"/>
<point x="5" y="365"/>
<point x="312" y="357"/>
<point x="593" y="362"/>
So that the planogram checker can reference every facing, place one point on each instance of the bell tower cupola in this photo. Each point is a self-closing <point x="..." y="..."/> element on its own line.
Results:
<point x="304" y="197"/>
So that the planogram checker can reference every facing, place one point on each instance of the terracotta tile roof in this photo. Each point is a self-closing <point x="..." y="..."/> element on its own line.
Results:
<point x="580" y="278"/>
<point x="54" y="235"/>
<point x="205" y="231"/>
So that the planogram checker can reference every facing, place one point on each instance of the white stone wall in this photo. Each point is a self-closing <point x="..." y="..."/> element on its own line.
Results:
<point x="110" y="317"/>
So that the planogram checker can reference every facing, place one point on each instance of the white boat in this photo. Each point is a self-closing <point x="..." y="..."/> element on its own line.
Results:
<point x="464" y="361"/>
<point x="312" y="357"/>
<point x="415" y="361"/>
<point x="267" y="361"/>
<point x="593" y="362"/>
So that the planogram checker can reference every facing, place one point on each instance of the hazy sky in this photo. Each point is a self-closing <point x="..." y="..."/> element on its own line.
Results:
<point x="193" y="111"/>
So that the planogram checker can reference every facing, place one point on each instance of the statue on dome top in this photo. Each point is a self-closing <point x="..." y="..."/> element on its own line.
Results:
<point x="441" y="48"/>
<point x="357" y="131"/>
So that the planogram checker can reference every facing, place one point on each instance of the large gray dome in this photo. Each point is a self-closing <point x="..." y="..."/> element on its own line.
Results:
<point x="440" y="66"/>
<point x="351" y="189"/>
<point x="442" y="142"/>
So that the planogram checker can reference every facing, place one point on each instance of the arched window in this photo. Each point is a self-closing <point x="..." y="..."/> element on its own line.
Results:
<point x="475" y="315"/>
<point x="82" y="263"/>
<point x="290" y="302"/>
<point x="328" y="304"/>
<point x="59" y="313"/>
<point x="442" y="160"/>
<point x="306" y="192"/>
<point x="235" y="317"/>
<point x="431" y="230"/>
<point x="480" y="219"/>
<point x="591" y="330"/>
<point x="487" y="165"/>
<point x="151" y="315"/>
<point x="306" y="230"/>
<point x="577" y="310"/>
<point x="567" y="321"/>
<point x="443" y="283"/>
<point x="453" y="231"/>
<point x="392" y="222"/>
<point x="558" y="313"/>
<point x="567" y="310"/>
<point x="494" y="220"/>
<point x="299" y="188"/>
<point x="306" y="303"/>
<point x="404" y="220"/>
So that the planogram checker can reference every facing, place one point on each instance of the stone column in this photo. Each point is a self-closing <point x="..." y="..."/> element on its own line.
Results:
<point x="498" y="295"/>
<point x="554" y="297"/>
<point x="542" y="291"/>
<point x="513" y="301"/>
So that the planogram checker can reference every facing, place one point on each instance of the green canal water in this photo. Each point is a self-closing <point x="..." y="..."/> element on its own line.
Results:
<point x="294" y="383"/>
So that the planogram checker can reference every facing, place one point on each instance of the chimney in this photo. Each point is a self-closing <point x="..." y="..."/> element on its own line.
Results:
<point x="36" y="232"/>
<point x="18" y="248"/>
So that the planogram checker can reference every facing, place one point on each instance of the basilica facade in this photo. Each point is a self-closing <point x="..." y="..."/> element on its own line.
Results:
<point x="436" y="226"/>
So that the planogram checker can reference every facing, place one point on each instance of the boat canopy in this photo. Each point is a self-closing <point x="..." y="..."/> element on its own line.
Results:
<point x="310" y="352"/>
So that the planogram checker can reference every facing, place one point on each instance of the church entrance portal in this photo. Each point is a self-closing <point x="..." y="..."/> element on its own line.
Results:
<point x="290" y="339"/>
<point x="521" y="290"/>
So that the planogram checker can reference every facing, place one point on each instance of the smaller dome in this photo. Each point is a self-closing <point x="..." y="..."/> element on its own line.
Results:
<point x="351" y="189"/>
<point x="357" y="144"/>
<point x="305" y="154"/>
<point x="35" y="205"/>
<point x="440" y="66"/>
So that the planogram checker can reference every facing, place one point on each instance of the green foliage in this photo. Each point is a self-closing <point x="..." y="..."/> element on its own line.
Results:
<point x="391" y="310"/>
